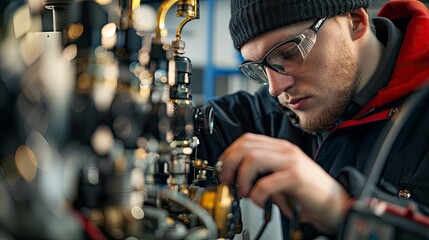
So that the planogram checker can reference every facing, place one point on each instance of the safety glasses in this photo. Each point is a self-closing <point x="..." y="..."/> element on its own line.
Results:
<point x="286" y="57"/>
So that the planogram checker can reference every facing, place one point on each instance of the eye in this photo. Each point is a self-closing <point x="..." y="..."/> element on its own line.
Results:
<point x="284" y="54"/>
<point x="288" y="52"/>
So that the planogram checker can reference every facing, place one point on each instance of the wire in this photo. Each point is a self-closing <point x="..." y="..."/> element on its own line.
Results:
<point x="267" y="218"/>
<point x="261" y="230"/>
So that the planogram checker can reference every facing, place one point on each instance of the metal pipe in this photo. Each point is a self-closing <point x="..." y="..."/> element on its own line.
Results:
<point x="191" y="15"/>
<point x="195" y="208"/>
<point x="54" y="20"/>
<point x="161" y="32"/>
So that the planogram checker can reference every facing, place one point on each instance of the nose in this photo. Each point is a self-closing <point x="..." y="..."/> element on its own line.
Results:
<point x="278" y="82"/>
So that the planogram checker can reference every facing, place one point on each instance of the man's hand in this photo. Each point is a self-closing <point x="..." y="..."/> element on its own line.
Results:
<point x="294" y="175"/>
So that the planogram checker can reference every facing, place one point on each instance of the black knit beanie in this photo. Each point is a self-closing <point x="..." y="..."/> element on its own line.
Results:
<point x="251" y="18"/>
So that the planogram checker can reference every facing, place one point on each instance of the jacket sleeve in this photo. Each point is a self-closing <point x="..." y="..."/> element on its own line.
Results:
<point x="242" y="112"/>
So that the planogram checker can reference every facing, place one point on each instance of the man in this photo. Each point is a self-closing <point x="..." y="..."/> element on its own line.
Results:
<point x="339" y="77"/>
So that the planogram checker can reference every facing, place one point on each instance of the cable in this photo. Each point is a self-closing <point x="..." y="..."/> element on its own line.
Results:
<point x="267" y="218"/>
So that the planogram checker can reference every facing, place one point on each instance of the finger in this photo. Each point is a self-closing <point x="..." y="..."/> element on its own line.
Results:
<point x="245" y="147"/>
<point x="251" y="141"/>
<point x="231" y="158"/>
<point x="255" y="163"/>
<point x="279" y="182"/>
<point x="280" y="200"/>
<point x="246" y="137"/>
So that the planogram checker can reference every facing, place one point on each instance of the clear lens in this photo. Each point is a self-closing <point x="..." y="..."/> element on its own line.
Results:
<point x="286" y="58"/>
<point x="255" y="72"/>
<point x="307" y="43"/>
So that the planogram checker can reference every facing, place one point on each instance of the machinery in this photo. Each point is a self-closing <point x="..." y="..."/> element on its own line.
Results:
<point x="98" y="131"/>
<point x="98" y="127"/>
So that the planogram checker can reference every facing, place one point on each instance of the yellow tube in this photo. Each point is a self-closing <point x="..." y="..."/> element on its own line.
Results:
<point x="191" y="16"/>
<point x="161" y="32"/>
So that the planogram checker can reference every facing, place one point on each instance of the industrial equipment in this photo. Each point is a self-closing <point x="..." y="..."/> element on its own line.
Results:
<point x="98" y="127"/>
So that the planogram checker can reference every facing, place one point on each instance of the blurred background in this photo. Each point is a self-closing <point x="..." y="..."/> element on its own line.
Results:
<point x="101" y="105"/>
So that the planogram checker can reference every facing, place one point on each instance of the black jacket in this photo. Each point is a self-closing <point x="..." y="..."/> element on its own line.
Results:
<point x="345" y="151"/>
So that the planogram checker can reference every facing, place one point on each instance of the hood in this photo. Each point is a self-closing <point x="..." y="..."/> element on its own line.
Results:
<point x="411" y="69"/>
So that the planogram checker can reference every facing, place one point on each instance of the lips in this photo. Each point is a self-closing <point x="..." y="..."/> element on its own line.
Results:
<point x="297" y="103"/>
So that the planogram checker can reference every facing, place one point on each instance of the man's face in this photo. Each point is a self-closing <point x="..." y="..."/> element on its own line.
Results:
<point x="321" y="89"/>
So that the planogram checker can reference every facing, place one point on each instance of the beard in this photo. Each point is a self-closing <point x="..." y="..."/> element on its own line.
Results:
<point x="347" y="76"/>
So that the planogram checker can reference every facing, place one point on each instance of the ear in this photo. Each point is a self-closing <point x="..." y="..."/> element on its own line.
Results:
<point x="359" y="23"/>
